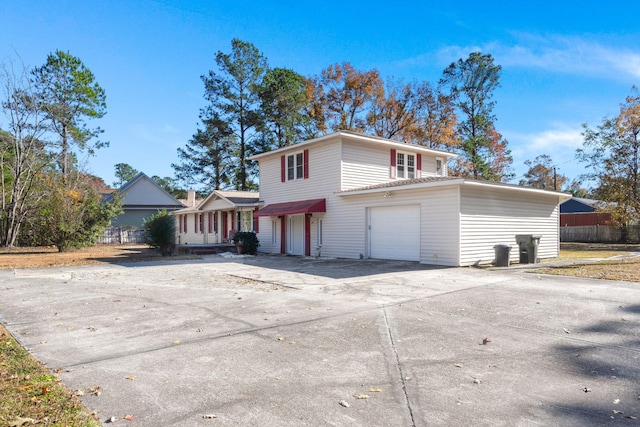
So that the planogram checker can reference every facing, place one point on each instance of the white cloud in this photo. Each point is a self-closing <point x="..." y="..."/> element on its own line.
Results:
<point x="555" y="53"/>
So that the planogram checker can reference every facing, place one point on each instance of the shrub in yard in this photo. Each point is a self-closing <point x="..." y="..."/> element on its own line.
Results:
<point x="248" y="241"/>
<point x="160" y="232"/>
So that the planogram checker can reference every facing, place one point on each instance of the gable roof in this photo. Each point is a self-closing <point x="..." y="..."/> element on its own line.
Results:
<point x="355" y="136"/>
<point x="142" y="192"/>
<point x="233" y="198"/>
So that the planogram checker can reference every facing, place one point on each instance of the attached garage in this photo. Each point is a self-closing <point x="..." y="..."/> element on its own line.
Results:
<point x="394" y="232"/>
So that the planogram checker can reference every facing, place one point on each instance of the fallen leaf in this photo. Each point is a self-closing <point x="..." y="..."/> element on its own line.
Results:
<point x="176" y="342"/>
<point x="344" y="403"/>
<point x="618" y="412"/>
<point x="111" y="420"/>
<point x="631" y="417"/>
<point x="131" y="377"/>
<point x="586" y="389"/>
<point x="361" y="396"/>
<point x="375" y="390"/>
<point x="78" y="393"/>
<point x="485" y="341"/>
<point x="129" y="417"/>
<point x="566" y="331"/>
<point x="19" y="421"/>
<point x="281" y="338"/>
<point x="457" y="365"/>
<point x="96" y="391"/>
<point x="616" y="401"/>
<point x="209" y="416"/>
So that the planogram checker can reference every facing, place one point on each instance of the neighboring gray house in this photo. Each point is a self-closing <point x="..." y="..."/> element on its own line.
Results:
<point x="142" y="197"/>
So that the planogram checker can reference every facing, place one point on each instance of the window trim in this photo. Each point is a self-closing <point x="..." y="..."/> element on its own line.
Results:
<point x="402" y="168"/>
<point x="442" y="166"/>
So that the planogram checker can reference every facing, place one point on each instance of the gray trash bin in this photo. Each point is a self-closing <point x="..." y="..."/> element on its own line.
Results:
<point x="528" y="246"/>
<point x="502" y="255"/>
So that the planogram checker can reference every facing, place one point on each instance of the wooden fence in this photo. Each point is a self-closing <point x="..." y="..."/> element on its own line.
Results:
<point x="597" y="233"/>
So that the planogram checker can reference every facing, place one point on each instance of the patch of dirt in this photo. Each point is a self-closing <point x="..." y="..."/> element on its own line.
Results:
<point x="37" y="257"/>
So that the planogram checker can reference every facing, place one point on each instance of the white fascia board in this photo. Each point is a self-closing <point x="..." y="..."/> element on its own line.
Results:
<point x="497" y="185"/>
<point x="402" y="187"/>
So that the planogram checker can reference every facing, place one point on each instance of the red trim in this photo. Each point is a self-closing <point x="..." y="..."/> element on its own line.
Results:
<point x="283" y="168"/>
<point x="307" y="234"/>
<point x="418" y="165"/>
<point x="306" y="164"/>
<point x="283" y="234"/>
<point x="256" y="222"/>
<point x="392" y="169"/>
<point x="291" y="208"/>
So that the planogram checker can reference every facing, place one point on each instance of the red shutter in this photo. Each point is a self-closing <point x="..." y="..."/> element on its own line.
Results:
<point x="418" y="165"/>
<point x="283" y="168"/>
<point x="256" y="222"/>
<point x="392" y="169"/>
<point x="306" y="164"/>
<point x="283" y="234"/>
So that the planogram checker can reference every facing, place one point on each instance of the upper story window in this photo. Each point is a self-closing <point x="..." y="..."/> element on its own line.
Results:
<point x="405" y="165"/>
<point x="439" y="166"/>
<point x="295" y="166"/>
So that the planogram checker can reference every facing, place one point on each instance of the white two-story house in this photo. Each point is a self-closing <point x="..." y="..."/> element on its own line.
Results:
<point x="351" y="195"/>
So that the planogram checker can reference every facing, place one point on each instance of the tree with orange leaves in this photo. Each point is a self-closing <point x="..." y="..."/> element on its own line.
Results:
<point x="612" y="152"/>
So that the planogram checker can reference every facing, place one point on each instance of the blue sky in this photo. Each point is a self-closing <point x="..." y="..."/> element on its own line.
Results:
<point x="564" y="63"/>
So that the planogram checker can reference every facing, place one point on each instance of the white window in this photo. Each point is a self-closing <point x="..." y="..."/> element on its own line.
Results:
<point x="319" y="233"/>
<point x="274" y="235"/>
<point x="295" y="166"/>
<point x="405" y="166"/>
<point x="439" y="166"/>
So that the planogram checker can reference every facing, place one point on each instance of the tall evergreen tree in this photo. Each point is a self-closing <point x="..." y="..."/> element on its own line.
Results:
<point x="283" y="98"/>
<point x="233" y="95"/>
<point x="472" y="82"/>
<point x="69" y="96"/>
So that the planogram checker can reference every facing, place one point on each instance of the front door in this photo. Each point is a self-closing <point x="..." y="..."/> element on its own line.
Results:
<point x="295" y="234"/>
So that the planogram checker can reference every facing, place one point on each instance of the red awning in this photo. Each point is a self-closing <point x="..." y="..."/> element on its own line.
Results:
<point x="291" y="208"/>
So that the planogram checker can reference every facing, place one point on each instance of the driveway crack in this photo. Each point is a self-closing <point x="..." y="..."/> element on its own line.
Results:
<point x="399" y="367"/>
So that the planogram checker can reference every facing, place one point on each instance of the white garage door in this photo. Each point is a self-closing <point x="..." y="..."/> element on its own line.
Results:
<point x="394" y="232"/>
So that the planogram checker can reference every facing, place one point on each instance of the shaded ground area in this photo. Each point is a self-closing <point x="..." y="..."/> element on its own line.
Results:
<point x="283" y="341"/>
<point x="99" y="254"/>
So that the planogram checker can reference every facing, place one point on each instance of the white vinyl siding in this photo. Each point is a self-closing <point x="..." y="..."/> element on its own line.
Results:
<point x="363" y="165"/>
<point x="493" y="216"/>
<point x="440" y="231"/>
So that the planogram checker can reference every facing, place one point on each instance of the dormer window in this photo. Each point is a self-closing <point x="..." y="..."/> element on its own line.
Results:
<point x="405" y="165"/>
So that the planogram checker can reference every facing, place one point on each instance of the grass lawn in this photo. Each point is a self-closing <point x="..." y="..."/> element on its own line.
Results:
<point x="32" y="394"/>
<point x="593" y="260"/>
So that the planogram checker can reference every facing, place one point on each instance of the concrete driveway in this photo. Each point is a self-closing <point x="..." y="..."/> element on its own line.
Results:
<point x="282" y="341"/>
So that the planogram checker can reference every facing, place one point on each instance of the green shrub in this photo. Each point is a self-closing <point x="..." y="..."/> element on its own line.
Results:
<point x="248" y="241"/>
<point x="160" y="232"/>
